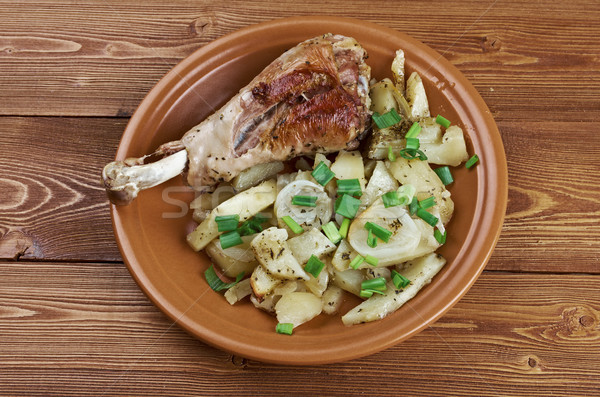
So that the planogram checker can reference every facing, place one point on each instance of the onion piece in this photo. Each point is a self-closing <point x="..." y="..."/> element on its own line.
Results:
<point x="304" y="216"/>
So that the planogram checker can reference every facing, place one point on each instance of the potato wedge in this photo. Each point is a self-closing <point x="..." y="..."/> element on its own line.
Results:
<point x="233" y="260"/>
<point x="343" y="256"/>
<point x="312" y="242"/>
<point x="238" y="291"/>
<point x="420" y="272"/>
<point x="275" y="256"/>
<point x="348" y="280"/>
<point x="263" y="282"/>
<point x="246" y="204"/>
<point x="332" y="299"/>
<point x="398" y="71"/>
<point x="426" y="182"/>
<point x="349" y="165"/>
<point x="298" y="307"/>
<point x="318" y="285"/>
<point x="381" y="182"/>
<point x="417" y="99"/>
<point x="254" y="175"/>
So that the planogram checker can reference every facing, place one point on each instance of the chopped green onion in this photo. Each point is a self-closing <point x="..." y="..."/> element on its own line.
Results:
<point x="305" y="201"/>
<point x="347" y="206"/>
<point x="399" y="280"/>
<point x="230" y="239"/>
<point x="355" y="263"/>
<point x="349" y="186"/>
<point x="379" y="231"/>
<point x="413" y="206"/>
<point x="284" y="328"/>
<point x="252" y="225"/>
<point x="427" y="217"/>
<point x="344" y="228"/>
<point x="292" y="224"/>
<point x="371" y="260"/>
<point x="444" y="174"/>
<point x="406" y="193"/>
<point x="390" y="199"/>
<point x="374" y="283"/>
<point x="412" y="143"/>
<point x="314" y="266"/>
<point x="215" y="283"/>
<point x="411" y="154"/>
<point x="427" y="203"/>
<point x="391" y="155"/>
<point x="371" y="239"/>
<point x="332" y="232"/>
<point x="322" y="174"/>
<point x="441" y="238"/>
<point x="472" y="161"/>
<point x="366" y="293"/>
<point x="387" y="119"/>
<point x="227" y="223"/>
<point x="444" y="122"/>
<point x="413" y="131"/>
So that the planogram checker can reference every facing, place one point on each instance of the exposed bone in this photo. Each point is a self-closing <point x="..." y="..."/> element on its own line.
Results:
<point x="123" y="180"/>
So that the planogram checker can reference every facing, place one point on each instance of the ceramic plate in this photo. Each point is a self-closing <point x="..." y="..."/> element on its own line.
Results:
<point x="151" y="231"/>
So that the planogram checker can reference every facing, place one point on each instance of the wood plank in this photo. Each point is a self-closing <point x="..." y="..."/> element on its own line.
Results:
<point x="92" y="328"/>
<point x="52" y="203"/>
<point x="101" y="58"/>
<point x="40" y="195"/>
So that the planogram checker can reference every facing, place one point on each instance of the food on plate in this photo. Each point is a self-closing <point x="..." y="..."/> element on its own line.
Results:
<point x="366" y="222"/>
<point x="319" y="183"/>
<point x="314" y="98"/>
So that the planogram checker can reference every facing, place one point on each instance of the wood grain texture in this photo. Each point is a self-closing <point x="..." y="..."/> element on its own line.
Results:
<point x="52" y="204"/>
<point x="101" y="58"/>
<point x="91" y="327"/>
<point x="73" y="321"/>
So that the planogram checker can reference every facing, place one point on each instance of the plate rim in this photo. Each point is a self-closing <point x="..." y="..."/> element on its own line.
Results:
<point x="491" y="229"/>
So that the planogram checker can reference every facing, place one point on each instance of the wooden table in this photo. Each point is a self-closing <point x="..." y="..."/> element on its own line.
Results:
<point x="73" y="321"/>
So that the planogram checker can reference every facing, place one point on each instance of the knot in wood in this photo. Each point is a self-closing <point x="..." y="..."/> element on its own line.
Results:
<point x="490" y="43"/>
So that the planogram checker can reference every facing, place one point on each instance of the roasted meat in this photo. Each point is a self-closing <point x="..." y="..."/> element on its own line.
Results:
<point x="313" y="98"/>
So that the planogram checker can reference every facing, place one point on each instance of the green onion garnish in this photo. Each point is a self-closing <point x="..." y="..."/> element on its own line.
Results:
<point x="347" y="206"/>
<point x="387" y="119"/>
<point x="391" y="155"/>
<point x="252" y="225"/>
<point x="284" y="328"/>
<point x="441" y="238"/>
<point x="215" y="283"/>
<point x="332" y="232"/>
<point x="427" y="203"/>
<point x="399" y="280"/>
<point x="444" y="122"/>
<point x="410" y="154"/>
<point x="412" y="143"/>
<point x="413" y="131"/>
<point x="305" y="201"/>
<point x="405" y="194"/>
<point x="355" y="263"/>
<point x="344" y="228"/>
<point x="366" y="293"/>
<point x="314" y="266"/>
<point x="292" y="224"/>
<point x="472" y="161"/>
<point x="371" y="239"/>
<point x="379" y="231"/>
<point x="390" y="199"/>
<point x="413" y="206"/>
<point x="427" y="217"/>
<point x="444" y="174"/>
<point x="349" y="186"/>
<point x="227" y="223"/>
<point x="230" y="239"/>
<point x="322" y="174"/>
<point x="374" y="283"/>
<point x="371" y="260"/>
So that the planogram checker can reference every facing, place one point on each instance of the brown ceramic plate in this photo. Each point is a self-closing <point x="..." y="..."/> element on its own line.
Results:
<point x="151" y="231"/>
